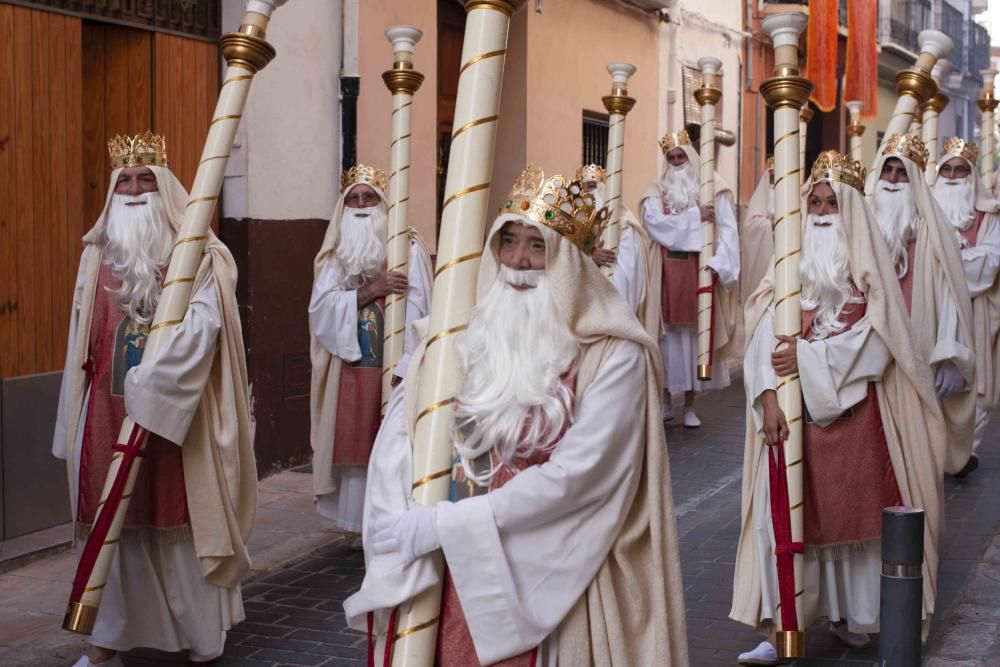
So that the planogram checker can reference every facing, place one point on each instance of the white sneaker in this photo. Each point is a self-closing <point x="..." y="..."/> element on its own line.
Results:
<point x="691" y="421"/>
<point x="113" y="661"/>
<point x="764" y="654"/>
<point x="668" y="412"/>
<point x="848" y="638"/>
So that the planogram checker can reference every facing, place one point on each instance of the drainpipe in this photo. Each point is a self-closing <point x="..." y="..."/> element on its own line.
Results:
<point x="350" y="85"/>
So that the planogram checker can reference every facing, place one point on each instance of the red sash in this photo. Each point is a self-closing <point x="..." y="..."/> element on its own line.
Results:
<point x="159" y="499"/>
<point x="679" y="296"/>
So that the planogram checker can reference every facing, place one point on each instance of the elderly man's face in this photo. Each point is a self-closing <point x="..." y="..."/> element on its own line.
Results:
<point x="893" y="171"/>
<point x="589" y="186"/>
<point x="136" y="181"/>
<point x="521" y="247"/>
<point x="676" y="157"/>
<point x="823" y="200"/>
<point x="361" y="196"/>
<point x="956" y="167"/>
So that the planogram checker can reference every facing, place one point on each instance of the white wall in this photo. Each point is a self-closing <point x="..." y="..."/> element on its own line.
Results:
<point x="286" y="163"/>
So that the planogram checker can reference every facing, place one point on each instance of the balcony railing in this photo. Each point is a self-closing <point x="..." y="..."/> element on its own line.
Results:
<point x="906" y="19"/>
<point x="979" y="48"/>
<point x="952" y="23"/>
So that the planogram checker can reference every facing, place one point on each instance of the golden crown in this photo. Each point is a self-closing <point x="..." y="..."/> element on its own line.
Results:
<point x="959" y="147"/>
<point x="909" y="146"/>
<point x="591" y="172"/>
<point x="835" y="167"/>
<point x="560" y="205"/>
<point x="674" y="139"/>
<point x="362" y="173"/>
<point x="142" y="150"/>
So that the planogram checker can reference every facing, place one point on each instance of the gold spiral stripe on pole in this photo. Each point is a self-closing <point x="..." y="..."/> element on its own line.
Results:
<point x="219" y="119"/>
<point x="95" y="588"/>
<point x="481" y="57"/>
<point x="794" y="463"/>
<point x="457" y="261"/>
<point x="397" y="267"/>
<point x="109" y="542"/>
<point x="794" y="419"/>
<point x="797" y="170"/>
<point x="396" y="141"/>
<point x="101" y="504"/>
<point x="466" y="191"/>
<point x="787" y="297"/>
<point x="397" y="173"/>
<point x="214" y="157"/>
<point x="232" y="79"/>
<point x="168" y="323"/>
<point x="408" y="104"/>
<point x="786" y="256"/>
<point x="189" y="239"/>
<point x="473" y="123"/>
<point x="417" y="628"/>
<point x="201" y="200"/>
<point x="785" y="217"/>
<point x="396" y="235"/>
<point x="432" y="407"/>
<point x="396" y="299"/>
<point x="176" y="281"/>
<point x="447" y="332"/>
<point x="796" y="506"/>
<point x="786" y="135"/>
<point x="430" y="478"/>
<point x="787" y="381"/>
<point x="394" y="204"/>
<point x="394" y="333"/>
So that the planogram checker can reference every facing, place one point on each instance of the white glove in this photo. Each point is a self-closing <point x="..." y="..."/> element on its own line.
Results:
<point x="411" y="534"/>
<point x="948" y="381"/>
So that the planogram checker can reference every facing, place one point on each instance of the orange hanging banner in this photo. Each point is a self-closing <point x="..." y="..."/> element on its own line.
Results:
<point x="821" y="52"/>
<point x="861" y="71"/>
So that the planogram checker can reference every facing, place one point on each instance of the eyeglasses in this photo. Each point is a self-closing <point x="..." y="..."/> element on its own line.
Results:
<point x="358" y="198"/>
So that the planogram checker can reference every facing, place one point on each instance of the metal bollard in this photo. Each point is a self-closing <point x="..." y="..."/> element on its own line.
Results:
<point x="902" y="586"/>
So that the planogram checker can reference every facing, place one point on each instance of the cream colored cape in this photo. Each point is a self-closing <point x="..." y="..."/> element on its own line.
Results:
<point x="649" y="308"/>
<point x="941" y="263"/>
<point x="986" y="306"/>
<point x="756" y="238"/>
<point x="325" y="382"/>
<point x="724" y="302"/>
<point x="220" y="474"/>
<point x="911" y="417"/>
<point x="633" y="611"/>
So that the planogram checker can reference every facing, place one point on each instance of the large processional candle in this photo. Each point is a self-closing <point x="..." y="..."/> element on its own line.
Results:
<point x="914" y="84"/>
<point x="618" y="104"/>
<point x="246" y="53"/>
<point x="460" y="247"/>
<point x="987" y="105"/>
<point x="931" y="111"/>
<point x="855" y="130"/>
<point x="786" y="92"/>
<point x="707" y="96"/>
<point x="403" y="82"/>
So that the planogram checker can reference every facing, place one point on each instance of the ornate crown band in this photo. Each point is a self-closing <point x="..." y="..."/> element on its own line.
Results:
<point x="909" y="146"/>
<point x="142" y="150"/>
<point x="362" y="173"/>
<point x="834" y="167"/>
<point x="674" y="139"/>
<point x="591" y="172"/>
<point x="560" y="205"/>
<point x="959" y="147"/>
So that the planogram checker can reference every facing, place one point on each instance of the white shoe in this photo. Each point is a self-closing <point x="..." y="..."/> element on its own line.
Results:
<point x="691" y="420"/>
<point x="848" y="638"/>
<point x="764" y="654"/>
<point x="668" y="412"/>
<point x="113" y="661"/>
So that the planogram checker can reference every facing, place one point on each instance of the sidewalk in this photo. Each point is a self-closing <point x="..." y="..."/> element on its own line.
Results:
<point x="33" y="598"/>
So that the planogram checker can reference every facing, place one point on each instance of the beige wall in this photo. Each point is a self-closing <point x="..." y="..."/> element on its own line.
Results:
<point x="587" y="35"/>
<point x="375" y="102"/>
<point x="510" y="154"/>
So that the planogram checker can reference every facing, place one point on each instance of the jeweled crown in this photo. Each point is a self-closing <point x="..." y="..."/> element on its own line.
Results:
<point x="560" y="205"/>
<point x="834" y="167"/>
<point x="591" y="172"/>
<point x="674" y="139"/>
<point x="909" y="146"/>
<point x="959" y="147"/>
<point x="362" y="173"/>
<point x="142" y="150"/>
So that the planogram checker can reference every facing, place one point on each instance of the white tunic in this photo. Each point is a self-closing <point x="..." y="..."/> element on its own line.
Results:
<point x="156" y="596"/>
<point x="683" y="232"/>
<point x="835" y="375"/>
<point x="628" y="277"/>
<point x="517" y="555"/>
<point x="333" y="319"/>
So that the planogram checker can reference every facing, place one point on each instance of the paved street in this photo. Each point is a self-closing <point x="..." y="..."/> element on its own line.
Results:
<point x="295" y="615"/>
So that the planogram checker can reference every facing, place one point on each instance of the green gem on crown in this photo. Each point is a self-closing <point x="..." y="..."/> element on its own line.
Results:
<point x="508" y="203"/>
<point x="550" y="215"/>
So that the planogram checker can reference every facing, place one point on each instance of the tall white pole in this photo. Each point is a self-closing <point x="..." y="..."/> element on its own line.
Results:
<point x="987" y="105"/>
<point x="931" y="110"/>
<point x="855" y="130"/>
<point x="708" y="96"/>
<point x="403" y="82"/>
<point x="618" y="104"/>
<point x="915" y="85"/>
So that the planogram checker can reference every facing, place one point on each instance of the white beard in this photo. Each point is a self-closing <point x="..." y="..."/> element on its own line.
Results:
<point x="680" y="187"/>
<point x="361" y="249"/>
<point x="957" y="196"/>
<point x="898" y="220"/>
<point x="512" y="359"/>
<point x="137" y="242"/>
<point x="825" y="273"/>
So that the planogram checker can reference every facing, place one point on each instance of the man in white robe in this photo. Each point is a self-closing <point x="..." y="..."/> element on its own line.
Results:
<point x="195" y="496"/>
<point x="346" y="325"/>
<point x="973" y="212"/>
<point x="757" y="235"/>
<point x="873" y="433"/>
<point x="637" y="261"/>
<point x="923" y="250"/>
<point x="673" y="218"/>
<point x="557" y="427"/>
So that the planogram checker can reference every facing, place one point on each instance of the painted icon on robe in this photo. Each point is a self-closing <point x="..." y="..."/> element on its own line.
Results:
<point x="371" y="330"/>
<point x="130" y="343"/>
